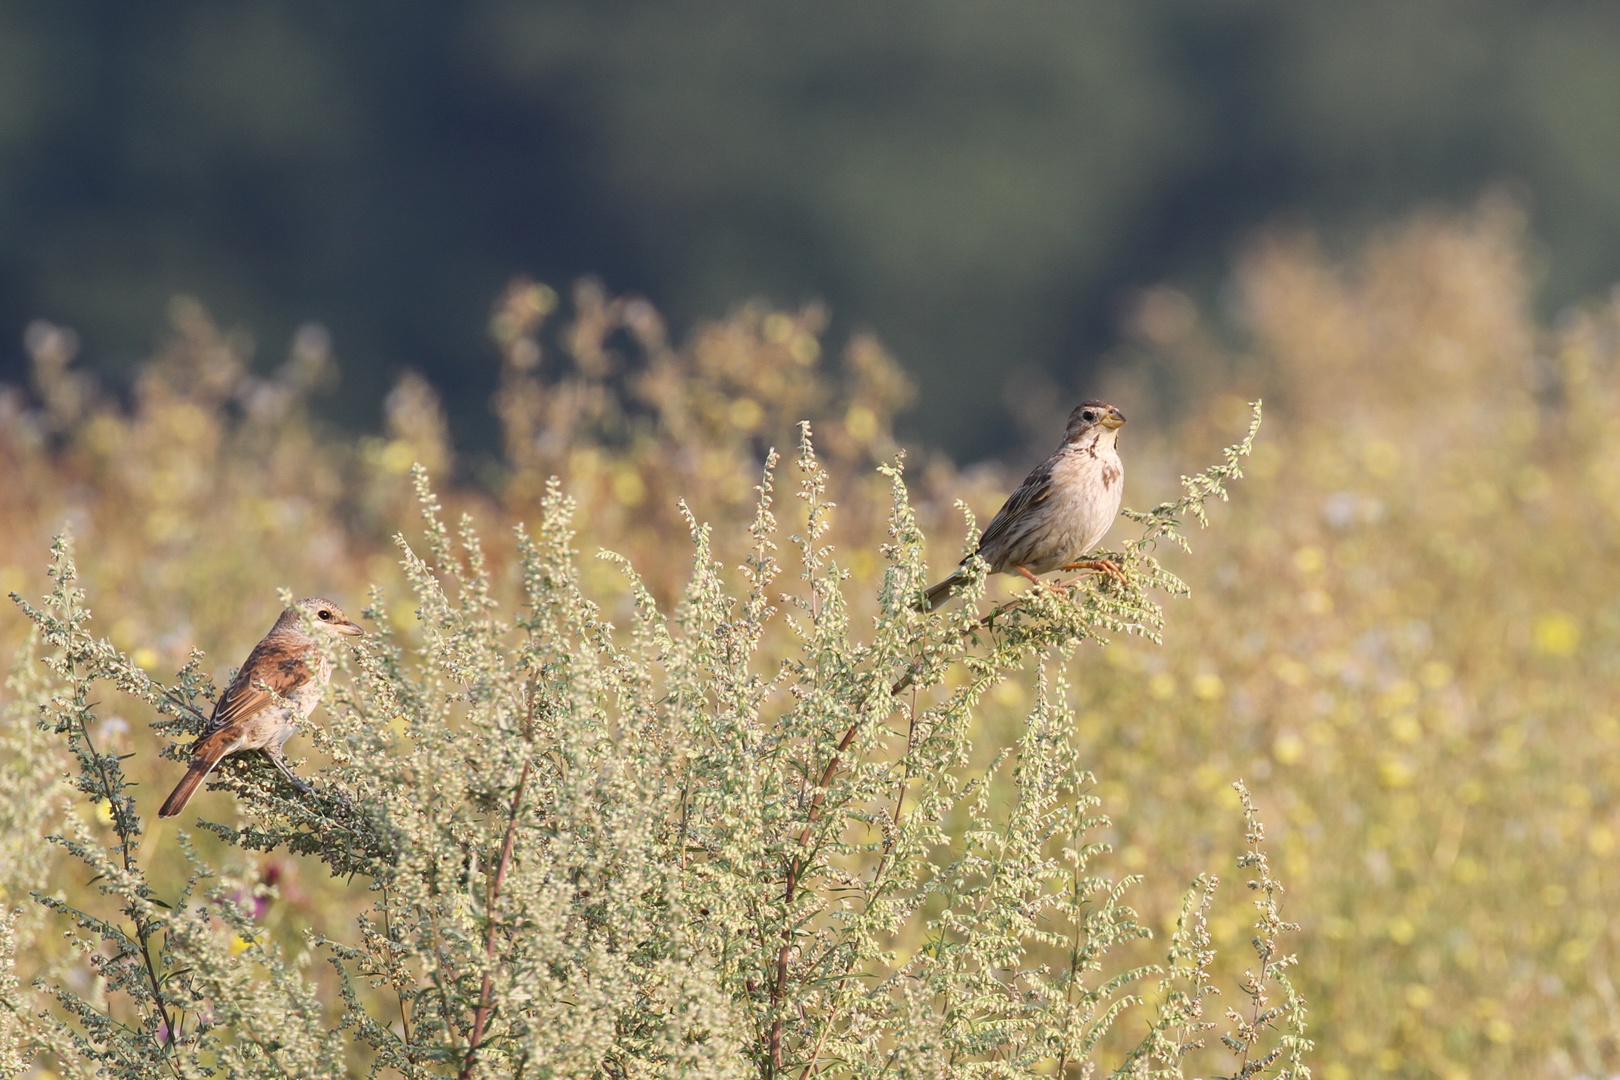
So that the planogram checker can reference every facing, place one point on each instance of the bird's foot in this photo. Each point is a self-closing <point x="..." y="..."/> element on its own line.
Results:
<point x="304" y="786"/>
<point x="1044" y="584"/>
<point x="1053" y="586"/>
<point x="1098" y="566"/>
<point x="337" y="798"/>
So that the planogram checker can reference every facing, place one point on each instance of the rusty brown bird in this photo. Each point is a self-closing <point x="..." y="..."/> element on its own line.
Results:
<point x="280" y="684"/>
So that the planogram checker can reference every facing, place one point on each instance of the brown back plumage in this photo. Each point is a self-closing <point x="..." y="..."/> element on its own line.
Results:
<point x="278" y="662"/>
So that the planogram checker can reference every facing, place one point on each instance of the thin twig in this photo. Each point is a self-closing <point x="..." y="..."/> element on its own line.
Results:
<point x="795" y="867"/>
<point x="481" y="1015"/>
<point x="404" y="1017"/>
<point x="812" y="1065"/>
<point x="143" y="932"/>
<point x="1074" y="957"/>
<point x="904" y="683"/>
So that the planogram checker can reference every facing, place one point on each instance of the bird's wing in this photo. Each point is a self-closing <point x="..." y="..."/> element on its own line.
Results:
<point x="1036" y="487"/>
<point x="276" y="663"/>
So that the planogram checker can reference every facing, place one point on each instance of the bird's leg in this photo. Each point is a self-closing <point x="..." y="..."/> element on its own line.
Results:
<point x="303" y="786"/>
<point x="1055" y="586"/>
<point x="1100" y="566"/>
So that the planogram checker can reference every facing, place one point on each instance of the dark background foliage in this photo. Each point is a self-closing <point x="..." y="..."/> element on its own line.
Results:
<point x="985" y="184"/>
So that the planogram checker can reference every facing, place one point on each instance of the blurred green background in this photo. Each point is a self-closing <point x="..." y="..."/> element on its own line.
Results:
<point x="988" y="186"/>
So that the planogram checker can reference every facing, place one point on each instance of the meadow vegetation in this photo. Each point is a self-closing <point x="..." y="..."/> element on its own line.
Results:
<point x="724" y="803"/>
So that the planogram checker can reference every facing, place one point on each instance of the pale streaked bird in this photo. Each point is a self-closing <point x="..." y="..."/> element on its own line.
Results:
<point x="1063" y="508"/>
<point x="279" y="685"/>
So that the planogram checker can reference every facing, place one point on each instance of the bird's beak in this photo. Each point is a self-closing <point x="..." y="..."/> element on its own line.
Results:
<point x="1114" y="419"/>
<point x="348" y="629"/>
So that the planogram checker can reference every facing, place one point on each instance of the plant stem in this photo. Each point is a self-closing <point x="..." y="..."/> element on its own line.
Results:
<point x="125" y="828"/>
<point x="796" y="864"/>
<point x="481" y="1015"/>
<point x="904" y="682"/>
<point x="404" y="1017"/>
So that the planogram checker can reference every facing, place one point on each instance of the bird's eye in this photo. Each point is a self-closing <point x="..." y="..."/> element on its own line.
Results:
<point x="1090" y="414"/>
<point x="326" y="616"/>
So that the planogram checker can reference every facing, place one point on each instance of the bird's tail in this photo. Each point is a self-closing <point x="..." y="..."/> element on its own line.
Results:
<point x="940" y="593"/>
<point x="196" y="773"/>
